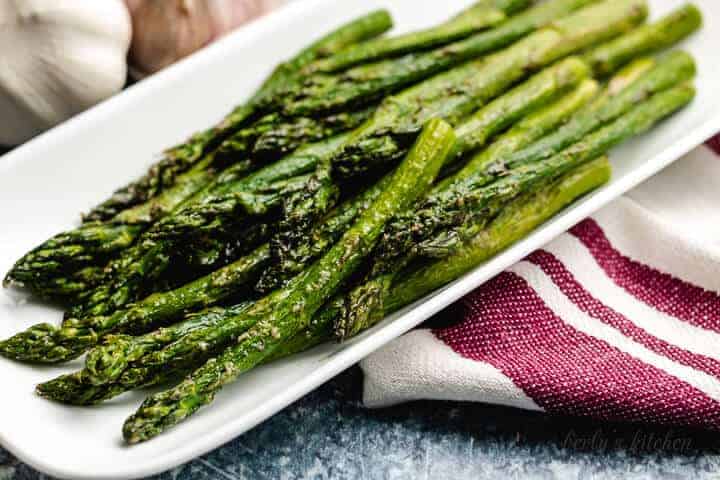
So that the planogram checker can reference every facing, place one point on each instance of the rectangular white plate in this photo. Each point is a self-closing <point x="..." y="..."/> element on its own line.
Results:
<point x="47" y="182"/>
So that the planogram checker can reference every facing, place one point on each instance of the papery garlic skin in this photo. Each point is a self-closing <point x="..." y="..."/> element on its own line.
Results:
<point x="229" y="14"/>
<point x="164" y="31"/>
<point x="57" y="58"/>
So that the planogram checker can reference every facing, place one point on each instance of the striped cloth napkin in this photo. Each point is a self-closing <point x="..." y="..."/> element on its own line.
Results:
<point x="617" y="319"/>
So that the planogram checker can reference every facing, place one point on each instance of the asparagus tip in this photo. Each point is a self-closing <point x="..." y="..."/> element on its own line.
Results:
<point x="106" y="363"/>
<point x="45" y="343"/>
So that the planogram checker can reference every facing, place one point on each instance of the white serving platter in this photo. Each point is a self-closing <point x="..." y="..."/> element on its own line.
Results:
<point x="47" y="182"/>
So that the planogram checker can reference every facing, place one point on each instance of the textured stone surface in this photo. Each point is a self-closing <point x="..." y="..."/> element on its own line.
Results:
<point x="329" y="435"/>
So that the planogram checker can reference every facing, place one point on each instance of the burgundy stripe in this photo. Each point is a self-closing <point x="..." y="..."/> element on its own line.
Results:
<point x="661" y="291"/>
<point x="572" y="289"/>
<point x="566" y="371"/>
<point x="714" y="143"/>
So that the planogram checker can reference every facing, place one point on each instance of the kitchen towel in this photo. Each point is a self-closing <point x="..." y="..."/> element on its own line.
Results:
<point x="617" y="319"/>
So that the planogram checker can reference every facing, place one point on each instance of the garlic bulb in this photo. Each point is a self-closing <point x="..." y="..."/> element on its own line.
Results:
<point x="57" y="58"/>
<point x="165" y="31"/>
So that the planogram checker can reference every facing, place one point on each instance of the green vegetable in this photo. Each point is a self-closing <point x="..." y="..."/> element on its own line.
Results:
<point x="180" y="158"/>
<point x="607" y="58"/>
<point x="305" y="208"/>
<point x="479" y="16"/>
<point x="50" y="268"/>
<point x="518" y="219"/>
<point x="440" y="209"/>
<point x="473" y="209"/>
<point x="93" y="384"/>
<point x="285" y="313"/>
<point x="457" y="93"/>
<point x="673" y="68"/>
<point x="289" y="260"/>
<point x="368" y="83"/>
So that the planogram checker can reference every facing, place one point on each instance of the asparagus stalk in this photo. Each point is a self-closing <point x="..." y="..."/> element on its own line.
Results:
<point x="455" y="94"/>
<point x="609" y="57"/>
<point x="223" y="207"/>
<point x="420" y="168"/>
<point x="283" y="137"/>
<point x="384" y="137"/>
<point x="238" y="200"/>
<point x="47" y="344"/>
<point x="548" y="9"/>
<point x="503" y="111"/>
<point x="367" y="83"/>
<point x="284" y="314"/>
<point x="670" y="70"/>
<point x="93" y="385"/>
<point x="479" y="16"/>
<point x="48" y="268"/>
<point x="303" y="209"/>
<point x="182" y="157"/>
<point x="518" y="219"/>
<point x="365" y="305"/>
<point x="288" y="262"/>
<point x="439" y="209"/>
<point x="308" y="205"/>
<point x="381" y="139"/>
<point x="491" y="160"/>
<point x="143" y="261"/>
<point x="290" y="255"/>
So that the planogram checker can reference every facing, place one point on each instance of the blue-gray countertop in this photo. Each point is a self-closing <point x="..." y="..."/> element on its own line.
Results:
<point x="329" y="435"/>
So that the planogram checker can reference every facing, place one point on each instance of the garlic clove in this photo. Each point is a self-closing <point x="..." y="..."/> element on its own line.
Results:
<point x="229" y="14"/>
<point x="166" y="31"/>
<point x="57" y="59"/>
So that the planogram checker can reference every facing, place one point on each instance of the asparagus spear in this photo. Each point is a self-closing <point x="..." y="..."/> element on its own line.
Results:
<point x="180" y="158"/>
<point x="290" y="261"/>
<point x="491" y="160"/>
<point x="284" y="314"/>
<point x="475" y="132"/>
<point x="405" y="185"/>
<point x="367" y="83"/>
<point x="517" y="220"/>
<point x="307" y="206"/>
<point x="197" y="174"/>
<point x="673" y="68"/>
<point x="282" y="137"/>
<point x="455" y="94"/>
<point x="479" y="16"/>
<point x="44" y="268"/>
<point x="495" y="116"/>
<point x="109" y="364"/>
<point x="410" y="228"/>
<point x="607" y="58"/>
<point x="366" y="304"/>
<point x="92" y="385"/>
<point x="252" y="196"/>
<point x="47" y="268"/>
<point x="185" y="169"/>
<point x="45" y="343"/>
